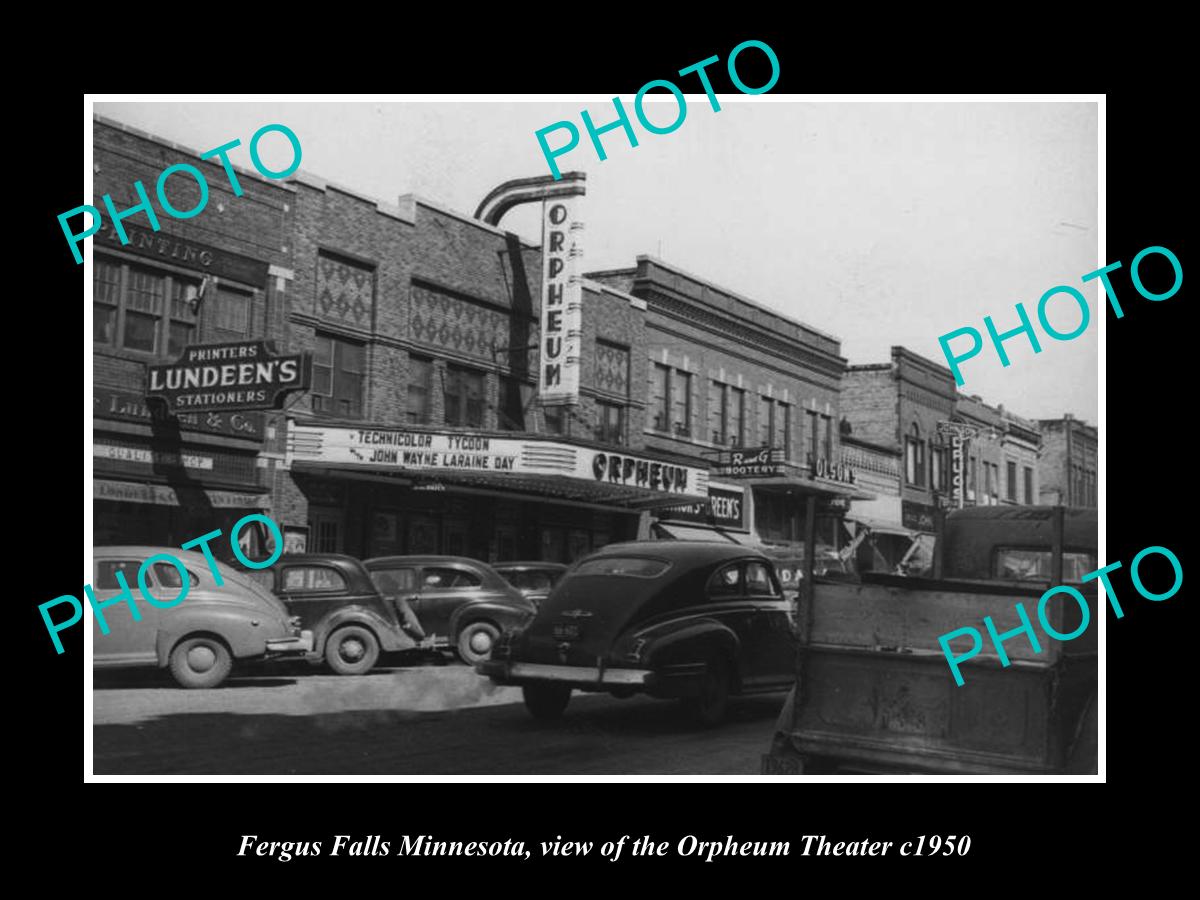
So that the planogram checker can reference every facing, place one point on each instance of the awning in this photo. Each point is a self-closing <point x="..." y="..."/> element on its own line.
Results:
<point x="694" y="533"/>
<point x="164" y="495"/>
<point x="802" y="485"/>
<point x="557" y="487"/>
<point x="880" y="527"/>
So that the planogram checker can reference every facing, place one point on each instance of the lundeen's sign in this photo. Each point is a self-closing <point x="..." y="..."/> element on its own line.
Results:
<point x="441" y="451"/>
<point x="246" y="375"/>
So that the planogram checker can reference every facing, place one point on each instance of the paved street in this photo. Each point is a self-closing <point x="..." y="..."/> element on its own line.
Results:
<point x="430" y="719"/>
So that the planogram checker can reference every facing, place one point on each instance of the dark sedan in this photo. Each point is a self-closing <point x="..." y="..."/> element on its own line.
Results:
<point x="334" y="597"/>
<point x="461" y="601"/>
<point x="695" y="621"/>
<point x="533" y="579"/>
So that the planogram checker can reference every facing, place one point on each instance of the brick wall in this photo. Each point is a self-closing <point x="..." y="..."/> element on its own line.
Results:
<point x="870" y="404"/>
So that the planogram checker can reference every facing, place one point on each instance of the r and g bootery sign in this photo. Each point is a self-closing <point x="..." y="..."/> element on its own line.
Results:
<point x="247" y="375"/>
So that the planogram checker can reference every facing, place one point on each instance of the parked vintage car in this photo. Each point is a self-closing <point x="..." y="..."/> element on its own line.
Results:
<point x="533" y="579"/>
<point x="461" y="601"/>
<point x="334" y="597"/>
<point x="692" y="620"/>
<point x="199" y="639"/>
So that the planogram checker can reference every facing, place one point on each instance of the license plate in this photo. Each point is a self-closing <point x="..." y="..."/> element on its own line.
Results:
<point x="566" y="631"/>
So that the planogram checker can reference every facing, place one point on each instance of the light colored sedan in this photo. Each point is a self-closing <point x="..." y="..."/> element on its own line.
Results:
<point x="201" y="637"/>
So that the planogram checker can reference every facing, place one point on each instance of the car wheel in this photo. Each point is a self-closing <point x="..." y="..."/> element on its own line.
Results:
<point x="352" y="650"/>
<point x="200" y="662"/>
<point x="546" y="701"/>
<point x="475" y="641"/>
<point x="708" y="708"/>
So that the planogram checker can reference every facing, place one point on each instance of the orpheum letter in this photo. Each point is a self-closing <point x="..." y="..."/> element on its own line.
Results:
<point x="562" y="301"/>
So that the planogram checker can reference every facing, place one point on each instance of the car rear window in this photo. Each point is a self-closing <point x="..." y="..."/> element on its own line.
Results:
<point x="312" y="578"/>
<point x="437" y="579"/>
<point x="168" y="576"/>
<point x="1035" y="565"/>
<point x="529" y="579"/>
<point x="627" y="566"/>
<point x="394" y="581"/>
<point x="106" y="573"/>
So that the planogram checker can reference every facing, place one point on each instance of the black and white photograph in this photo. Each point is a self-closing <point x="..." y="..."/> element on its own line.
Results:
<point x="501" y="437"/>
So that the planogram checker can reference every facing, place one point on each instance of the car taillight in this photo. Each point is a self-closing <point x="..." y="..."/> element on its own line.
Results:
<point x="294" y="624"/>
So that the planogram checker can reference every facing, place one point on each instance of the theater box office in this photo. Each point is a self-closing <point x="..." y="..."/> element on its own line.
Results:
<point x="374" y="491"/>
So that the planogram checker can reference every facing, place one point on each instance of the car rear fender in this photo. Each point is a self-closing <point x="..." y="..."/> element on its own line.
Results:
<point x="390" y="637"/>
<point x="236" y="627"/>
<point x="504" y="615"/>
<point x="692" y="640"/>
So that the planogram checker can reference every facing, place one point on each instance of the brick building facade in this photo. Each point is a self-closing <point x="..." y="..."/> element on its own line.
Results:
<point x="427" y="321"/>
<point x="899" y="406"/>
<point x="724" y="373"/>
<point x="220" y="276"/>
<point x="1068" y="469"/>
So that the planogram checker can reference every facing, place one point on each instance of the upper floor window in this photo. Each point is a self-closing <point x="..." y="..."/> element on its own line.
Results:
<point x="463" y="396"/>
<point x="1028" y="485"/>
<point x="138" y="308"/>
<point x="230" y="314"/>
<point x="938" y="480"/>
<point x="766" y="423"/>
<point x="670" y="400"/>
<point x="420" y="391"/>
<point x="726" y="412"/>
<point x="610" y="422"/>
<point x="1010" y="472"/>
<point x="337" y="376"/>
<point x="515" y="397"/>
<point x="914" y="457"/>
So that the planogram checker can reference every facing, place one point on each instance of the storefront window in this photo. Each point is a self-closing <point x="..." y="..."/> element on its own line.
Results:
<point x="610" y="422"/>
<point x="337" y="380"/>
<point x="463" y="395"/>
<point x="420" y="390"/>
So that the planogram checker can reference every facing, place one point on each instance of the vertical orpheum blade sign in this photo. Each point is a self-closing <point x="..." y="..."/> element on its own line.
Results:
<point x="562" y="301"/>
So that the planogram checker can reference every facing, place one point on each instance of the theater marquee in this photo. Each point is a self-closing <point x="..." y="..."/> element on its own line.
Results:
<point x="457" y="452"/>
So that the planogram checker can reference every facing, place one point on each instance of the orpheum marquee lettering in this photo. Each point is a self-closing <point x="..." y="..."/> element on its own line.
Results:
<point x="245" y="375"/>
<point x="639" y="472"/>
